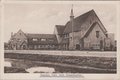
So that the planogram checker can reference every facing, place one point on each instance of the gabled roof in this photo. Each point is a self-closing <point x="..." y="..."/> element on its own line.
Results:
<point x="90" y="29"/>
<point x="18" y="33"/>
<point x="60" y="28"/>
<point x="29" y="35"/>
<point x="77" y="22"/>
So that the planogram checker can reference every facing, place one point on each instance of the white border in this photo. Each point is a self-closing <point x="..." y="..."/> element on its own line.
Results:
<point x="37" y="76"/>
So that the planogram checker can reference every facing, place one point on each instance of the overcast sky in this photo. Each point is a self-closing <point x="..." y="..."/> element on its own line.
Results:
<point x="42" y="18"/>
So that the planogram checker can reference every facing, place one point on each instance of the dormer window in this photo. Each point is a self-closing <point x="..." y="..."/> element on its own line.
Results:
<point x="43" y="39"/>
<point x="34" y="39"/>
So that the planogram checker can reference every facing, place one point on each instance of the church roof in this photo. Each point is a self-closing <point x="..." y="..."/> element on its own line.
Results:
<point x="90" y="29"/>
<point x="77" y="22"/>
<point x="60" y="28"/>
<point x="29" y="35"/>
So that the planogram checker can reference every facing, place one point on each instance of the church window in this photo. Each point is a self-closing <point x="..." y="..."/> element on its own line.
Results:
<point x="90" y="21"/>
<point x="97" y="34"/>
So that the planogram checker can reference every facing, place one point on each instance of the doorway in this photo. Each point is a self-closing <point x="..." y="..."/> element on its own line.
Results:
<point x="77" y="47"/>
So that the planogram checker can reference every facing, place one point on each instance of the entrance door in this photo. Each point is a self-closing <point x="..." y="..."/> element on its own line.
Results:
<point x="77" y="47"/>
<point x="24" y="46"/>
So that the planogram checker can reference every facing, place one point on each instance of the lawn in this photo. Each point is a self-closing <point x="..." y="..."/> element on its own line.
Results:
<point x="64" y="64"/>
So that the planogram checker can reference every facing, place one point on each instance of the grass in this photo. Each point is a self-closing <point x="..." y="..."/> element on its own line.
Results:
<point x="21" y="65"/>
<point x="100" y="62"/>
<point x="14" y="70"/>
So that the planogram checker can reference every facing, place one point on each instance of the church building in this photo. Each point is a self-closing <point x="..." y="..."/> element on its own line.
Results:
<point x="85" y="32"/>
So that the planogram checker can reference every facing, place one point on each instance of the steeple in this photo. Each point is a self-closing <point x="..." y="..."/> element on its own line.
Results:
<point x="72" y="27"/>
<point x="72" y="14"/>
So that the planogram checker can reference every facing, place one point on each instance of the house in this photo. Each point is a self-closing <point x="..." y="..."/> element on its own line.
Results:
<point x="21" y="40"/>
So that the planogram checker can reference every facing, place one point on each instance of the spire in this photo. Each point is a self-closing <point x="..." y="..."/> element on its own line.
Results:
<point x="72" y="15"/>
<point x="72" y="27"/>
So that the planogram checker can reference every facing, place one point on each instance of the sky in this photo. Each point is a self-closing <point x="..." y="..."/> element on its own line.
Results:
<point x="42" y="18"/>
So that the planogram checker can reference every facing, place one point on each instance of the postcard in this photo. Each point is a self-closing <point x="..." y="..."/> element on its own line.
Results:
<point x="59" y="39"/>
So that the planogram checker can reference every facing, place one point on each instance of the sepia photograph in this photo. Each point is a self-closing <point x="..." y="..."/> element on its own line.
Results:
<point x="58" y="38"/>
<point x="66" y="39"/>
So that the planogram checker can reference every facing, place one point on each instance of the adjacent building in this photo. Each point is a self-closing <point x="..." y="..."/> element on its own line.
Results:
<point x="85" y="32"/>
<point x="22" y="41"/>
